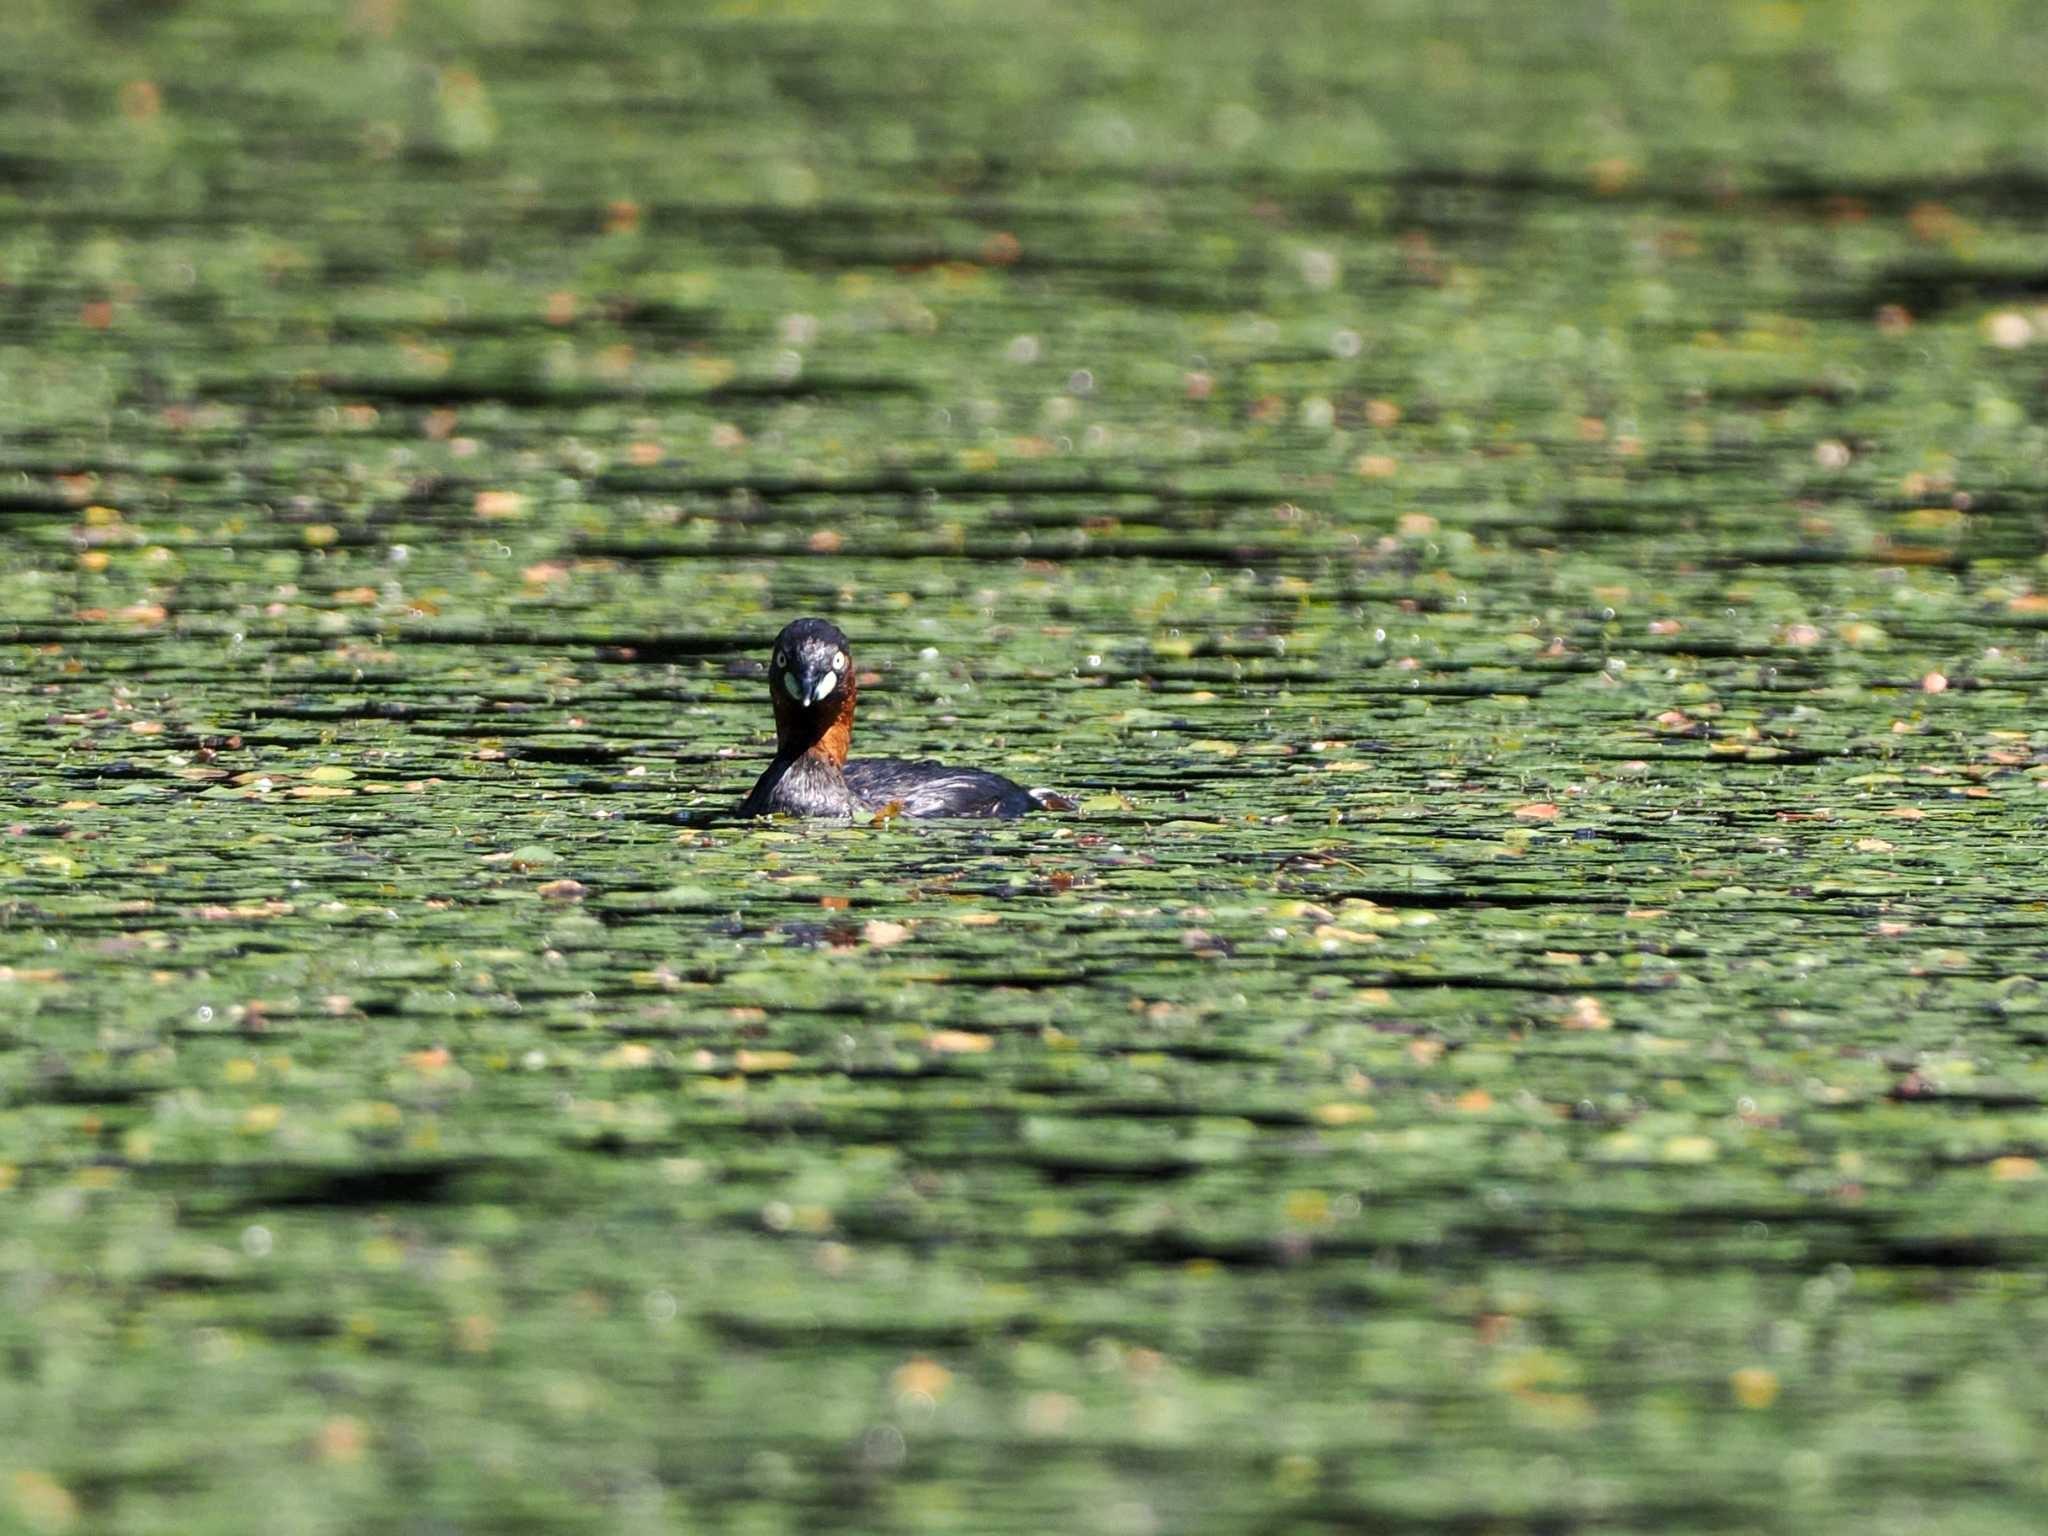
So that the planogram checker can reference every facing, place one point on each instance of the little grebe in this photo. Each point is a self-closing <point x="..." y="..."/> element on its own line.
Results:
<point x="811" y="680"/>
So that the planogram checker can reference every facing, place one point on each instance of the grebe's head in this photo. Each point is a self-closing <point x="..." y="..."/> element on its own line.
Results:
<point x="811" y="664"/>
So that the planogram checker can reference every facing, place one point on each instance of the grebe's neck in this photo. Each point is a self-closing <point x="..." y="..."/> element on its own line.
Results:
<point x="815" y="730"/>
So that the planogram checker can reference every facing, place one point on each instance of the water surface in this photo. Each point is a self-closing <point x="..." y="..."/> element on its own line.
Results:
<point x="1525" y="540"/>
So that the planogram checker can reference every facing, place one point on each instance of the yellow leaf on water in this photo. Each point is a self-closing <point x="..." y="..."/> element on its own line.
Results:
<point x="1342" y="1114"/>
<point x="1754" y="1387"/>
<point x="919" y="1374"/>
<point x="43" y="1503"/>
<point x="1330" y="933"/>
<point x="1689" y="1149"/>
<point x="959" y="1041"/>
<point x="1306" y="1207"/>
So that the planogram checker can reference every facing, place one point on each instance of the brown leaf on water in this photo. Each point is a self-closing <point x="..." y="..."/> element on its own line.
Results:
<point x="1614" y="174"/>
<point x="958" y="1042"/>
<point x="564" y="890"/>
<point x="140" y="100"/>
<point x="499" y="504"/>
<point x="1537" y="810"/>
<point x="881" y="933"/>
<point x="1588" y="1013"/>
<point x="340" y="1441"/>
<point x="247" y="911"/>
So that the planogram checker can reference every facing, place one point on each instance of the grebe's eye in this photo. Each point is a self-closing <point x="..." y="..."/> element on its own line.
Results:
<point x="839" y="661"/>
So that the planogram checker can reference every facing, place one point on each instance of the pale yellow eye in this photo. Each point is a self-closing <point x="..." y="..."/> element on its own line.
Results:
<point x="839" y="661"/>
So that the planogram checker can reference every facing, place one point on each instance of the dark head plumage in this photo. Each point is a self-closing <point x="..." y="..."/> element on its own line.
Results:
<point x="810" y="665"/>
